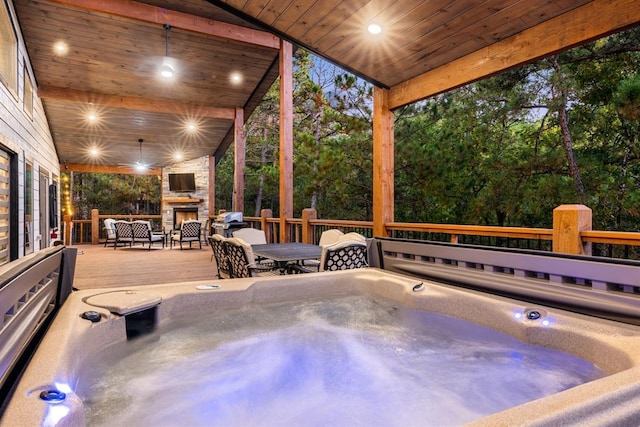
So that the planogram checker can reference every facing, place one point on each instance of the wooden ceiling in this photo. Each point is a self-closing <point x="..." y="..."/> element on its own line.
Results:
<point x="115" y="50"/>
<point x="116" y="46"/>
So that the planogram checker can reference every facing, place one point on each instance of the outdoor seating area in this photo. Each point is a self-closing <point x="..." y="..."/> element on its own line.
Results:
<point x="236" y="257"/>
<point x="127" y="233"/>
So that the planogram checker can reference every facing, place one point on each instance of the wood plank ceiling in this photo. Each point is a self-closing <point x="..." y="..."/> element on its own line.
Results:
<point x="112" y="66"/>
<point x="114" y="54"/>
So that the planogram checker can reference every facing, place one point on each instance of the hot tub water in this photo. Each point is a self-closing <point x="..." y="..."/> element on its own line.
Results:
<point x="347" y="361"/>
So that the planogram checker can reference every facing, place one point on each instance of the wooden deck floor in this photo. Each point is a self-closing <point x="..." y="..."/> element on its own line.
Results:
<point x="100" y="267"/>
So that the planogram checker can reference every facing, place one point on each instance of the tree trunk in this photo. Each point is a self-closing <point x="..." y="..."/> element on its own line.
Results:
<point x="566" y="135"/>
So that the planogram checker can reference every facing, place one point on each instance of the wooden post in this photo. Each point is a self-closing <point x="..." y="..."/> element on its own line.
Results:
<point x="211" y="205"/>
<point x="95" y="227"/>
<point x="265" y="226"/>
<point x="68" y="225"/>
<point x="568" y="222"/>
<point x="307" y="229"/>
<point x="383" y="162"/>
<point x="286" y="138"/>
<point x="239" y="156"/>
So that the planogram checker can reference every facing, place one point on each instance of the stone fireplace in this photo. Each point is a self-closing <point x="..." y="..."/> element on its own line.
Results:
<point x="178" y="206"/>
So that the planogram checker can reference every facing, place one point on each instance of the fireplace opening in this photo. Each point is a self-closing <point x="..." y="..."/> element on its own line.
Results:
<point x="182" y="214"/>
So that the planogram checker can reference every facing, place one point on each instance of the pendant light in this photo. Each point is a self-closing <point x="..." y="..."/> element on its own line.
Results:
<point x="166" y="70"/>
<point x="140" y="165"/>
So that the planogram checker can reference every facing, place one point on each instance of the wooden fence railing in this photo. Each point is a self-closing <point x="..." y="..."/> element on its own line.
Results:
<point x="309" y="228"/>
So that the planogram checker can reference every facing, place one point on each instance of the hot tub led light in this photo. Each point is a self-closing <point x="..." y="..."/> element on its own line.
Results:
<point x="517" y="315"/>
<point x="53" y="396"/>
<point x="55" y="413"/>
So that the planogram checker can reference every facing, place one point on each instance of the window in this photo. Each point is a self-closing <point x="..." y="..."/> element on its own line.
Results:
<point x="8" y="50"/>
<point x="28" y="208"/>
<point x="5" y="163"/>
<point x="28" y="94"/>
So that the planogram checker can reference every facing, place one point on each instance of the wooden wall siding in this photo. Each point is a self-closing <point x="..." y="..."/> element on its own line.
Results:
<point x="417" y="36"/>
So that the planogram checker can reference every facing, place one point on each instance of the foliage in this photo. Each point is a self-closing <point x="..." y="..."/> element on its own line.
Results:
<point x="115" y="194"/>
<point x="502" y="151"/>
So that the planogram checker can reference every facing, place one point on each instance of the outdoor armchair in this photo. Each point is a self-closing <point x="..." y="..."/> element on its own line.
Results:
<point x="189" y="233"/>
<point x="124" y="233"/>
<point x="142" y="233"/>
<point x="110" y="231"/>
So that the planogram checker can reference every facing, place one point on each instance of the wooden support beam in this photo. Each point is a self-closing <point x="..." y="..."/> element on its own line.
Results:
<point x="125" y="170"/>
<point x="239" y="153"/>
<point x="383" y="162"/>
<point x="212" y="188"/>
<point x="159" y="15"/>
<point x="286" y="138"/>
<point x="131" y="103"/>
<point x="593" y="20"/>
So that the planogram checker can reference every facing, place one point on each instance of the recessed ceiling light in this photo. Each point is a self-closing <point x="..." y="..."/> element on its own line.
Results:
<point x="92" y="117"/>
<point x="235" y="78"/>
<point x="191" y="126"/>
<point x="60" y="48"/>
<point x="94" y="152"/>
<point x="374" y="29"/>
<point x="177" y="156"/>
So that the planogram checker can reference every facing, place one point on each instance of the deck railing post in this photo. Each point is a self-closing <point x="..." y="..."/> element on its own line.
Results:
<point x="568" y="222"/>
<point x="95" y="227"/>
<point x="265" y="226"/>
<point x="307" y="229"/>
<point x="68" y="225"/>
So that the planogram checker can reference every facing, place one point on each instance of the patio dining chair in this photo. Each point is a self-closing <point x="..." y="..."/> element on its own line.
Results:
<point x="242" y="262"/>
<point x="327" y="237"/>
<point x="252" y="236"/>
<point x="220" y="255"/>
<point x="142" y="233"/>
<point x="124" y="233"/>
<point x="344" y="255"/>
<point x="189" y="233"/>
<point x="110" y="231"/>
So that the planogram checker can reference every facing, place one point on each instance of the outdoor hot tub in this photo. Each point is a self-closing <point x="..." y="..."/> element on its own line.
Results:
<point x="95" y="330"/>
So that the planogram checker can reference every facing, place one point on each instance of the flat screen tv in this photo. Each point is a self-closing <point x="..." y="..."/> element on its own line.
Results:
<point x="182" y="182"/>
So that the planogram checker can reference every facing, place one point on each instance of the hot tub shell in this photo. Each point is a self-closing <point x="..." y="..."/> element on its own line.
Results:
<point x="614" y="347"/>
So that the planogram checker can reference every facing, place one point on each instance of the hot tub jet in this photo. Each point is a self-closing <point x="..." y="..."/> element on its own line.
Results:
<point x="53" y="396"/>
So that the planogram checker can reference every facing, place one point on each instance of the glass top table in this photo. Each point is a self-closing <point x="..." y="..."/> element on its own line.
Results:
<point x="285" y="253"/>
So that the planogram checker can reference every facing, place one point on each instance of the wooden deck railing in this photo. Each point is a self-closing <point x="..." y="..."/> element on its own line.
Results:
<point x="309" y="228"/>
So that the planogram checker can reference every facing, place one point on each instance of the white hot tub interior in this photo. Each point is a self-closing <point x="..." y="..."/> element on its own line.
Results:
<point x="398" y="316"/>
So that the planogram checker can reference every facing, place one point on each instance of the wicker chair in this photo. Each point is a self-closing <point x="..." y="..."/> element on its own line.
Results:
<point x="124" y="233"/>
<point x="110" y="231"/>
<point x="142" y="233"/>
<point x="222" y="263"/>
<point x="344" y="255"/>
<point x="242" y="262"/>
<point x="189" y="233"/>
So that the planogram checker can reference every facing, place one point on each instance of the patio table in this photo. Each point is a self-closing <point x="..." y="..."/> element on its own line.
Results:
<point x="284" y="253"/>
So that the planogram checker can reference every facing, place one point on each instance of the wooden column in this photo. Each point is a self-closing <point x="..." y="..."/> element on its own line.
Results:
<point x="568" y="222"/>
<point x="383" y="162"/>
<point x="239" y="161"/>
<point x="211" y="205"/>
<point x="286" y="138"/>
